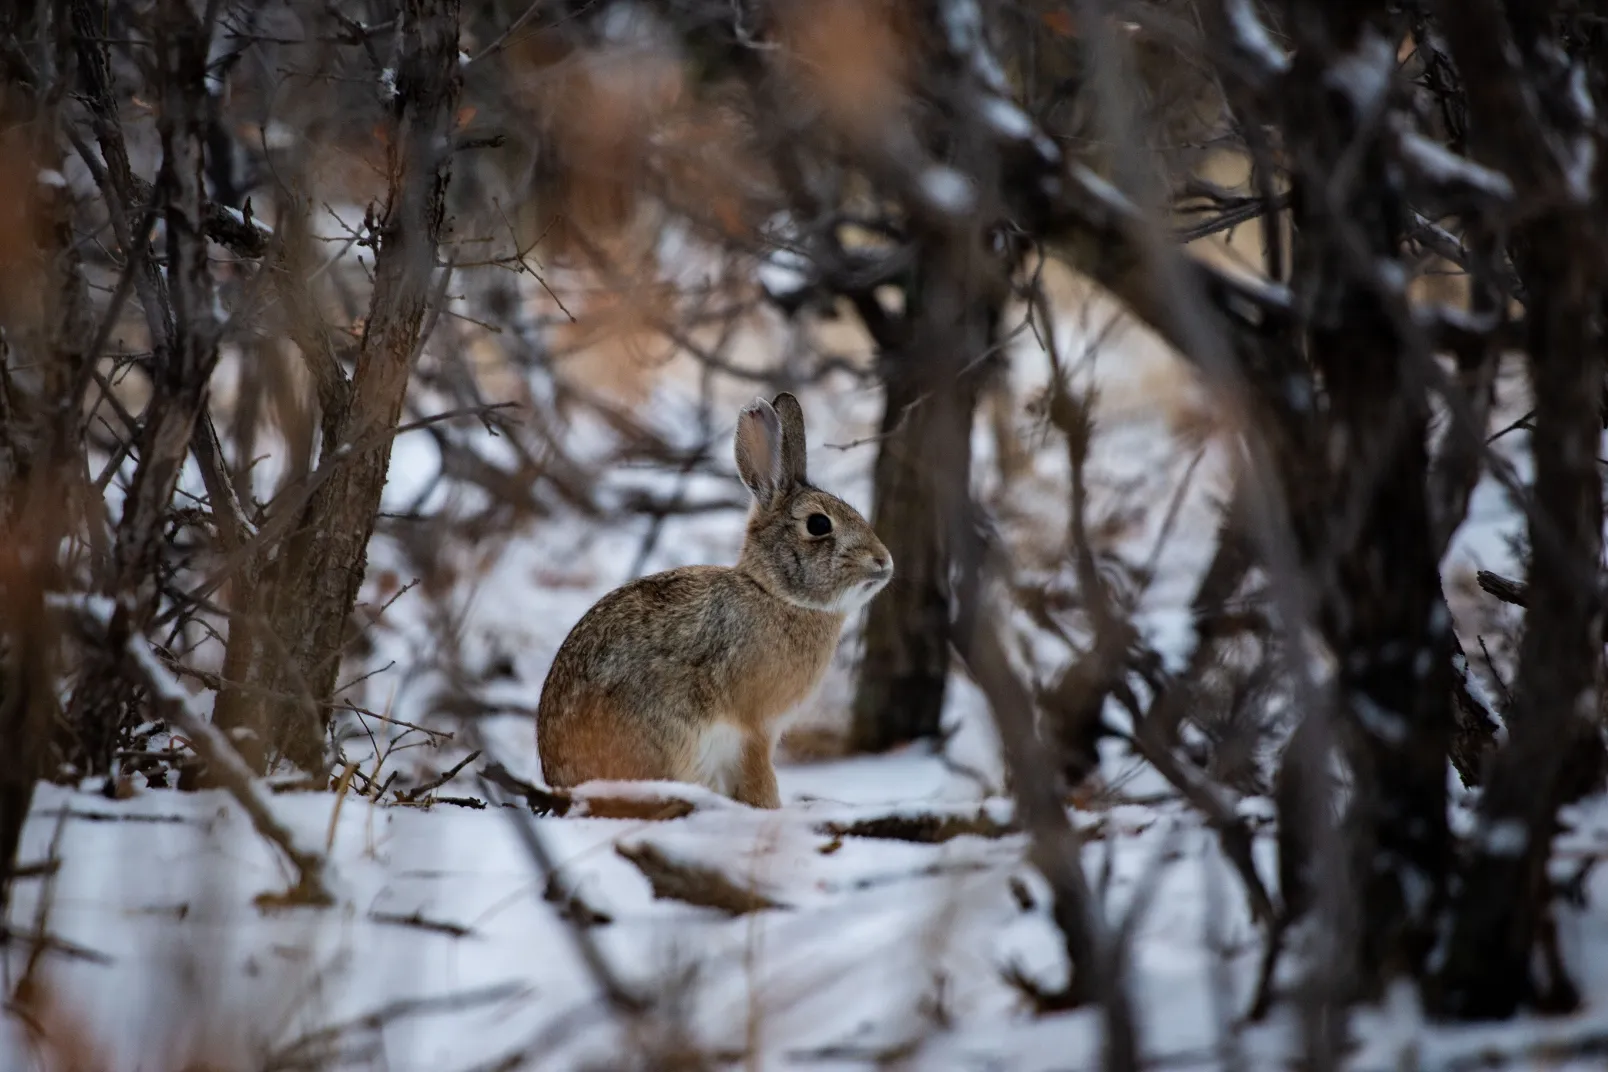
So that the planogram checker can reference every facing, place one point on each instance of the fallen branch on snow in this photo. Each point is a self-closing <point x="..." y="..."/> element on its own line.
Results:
<point x="924" y="829"/>
<point x="213" y="747"/>
<point x="423" y="923"/>
<point x="694" y="884"/>
<point x="176" y="706"/>
<point x="49" y="943"/>
<point x="572" y="906"/>
<point x="541" y="801"/>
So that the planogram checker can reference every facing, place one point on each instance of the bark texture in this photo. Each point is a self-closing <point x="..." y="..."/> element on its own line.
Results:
<point x="313" y="586"/>
<point x="923" y="470"/>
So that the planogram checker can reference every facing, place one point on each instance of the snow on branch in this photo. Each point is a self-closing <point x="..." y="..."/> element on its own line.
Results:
<point x="178" y="707"/>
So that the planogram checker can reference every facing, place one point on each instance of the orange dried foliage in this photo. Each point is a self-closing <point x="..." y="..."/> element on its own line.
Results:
<point x="601" y="108"/>
<point x="290" y="405"/>
<point x="706" y="167"/>
<point x="850" y="55"/>
<point x="1060" y="23"/>
<point x="617" y="344"/>
<point x="628" y="137"/>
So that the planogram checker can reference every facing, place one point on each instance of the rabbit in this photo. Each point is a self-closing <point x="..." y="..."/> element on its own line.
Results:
<point x="686" y="675"/>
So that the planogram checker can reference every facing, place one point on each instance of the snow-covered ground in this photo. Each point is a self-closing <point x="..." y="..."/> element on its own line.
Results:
<point x="444" y="954"/>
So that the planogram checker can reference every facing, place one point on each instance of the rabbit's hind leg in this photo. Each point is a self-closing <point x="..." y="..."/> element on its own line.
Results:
<point x="756" y="777"/>
<point x="594" y="742"/>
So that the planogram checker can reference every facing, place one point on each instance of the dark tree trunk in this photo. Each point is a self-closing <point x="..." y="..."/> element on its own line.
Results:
<point x="1524" y="109"/>
<point x="905" y="665"/>
<point x="1554" y="749"/>
<point x="923" y="470"/>
<point x="45" y="310"/>
<point x="1380" y="605"/>
<point x="314" y="584"/>
<point x="184" y="332"/>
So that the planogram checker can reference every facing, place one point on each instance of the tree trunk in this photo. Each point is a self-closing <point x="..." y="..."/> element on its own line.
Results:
<point x="45" y="308"/>
<point x="184" y="336"/>
<point x="1554" y="749"/>
<point x="1380" y="603"/>
<point x="1523" y="105"/>
<point x="923" y="463"/>
<point x="315" y="581"/>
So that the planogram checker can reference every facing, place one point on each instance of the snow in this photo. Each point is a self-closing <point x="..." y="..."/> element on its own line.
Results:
<point x="1365" y="75"/>
<point x="963" y="24"/>
<point x="240" y="218"/>
<point x="869" y="926"/>
<point x="1506" y="837"/>
<point x="948" y="190"/>
<point x="1580" y="93"/>
<point x="1252" y="36"/>
<point x="443" y="906"/>
<point x="783" y="271"/>
<point x="1582" y="168"/>
<point x="1006" y="118"/>
<point x="1443" y="166"/>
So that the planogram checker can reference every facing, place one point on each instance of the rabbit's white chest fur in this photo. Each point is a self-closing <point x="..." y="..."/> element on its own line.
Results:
<point x="719" y="757"/>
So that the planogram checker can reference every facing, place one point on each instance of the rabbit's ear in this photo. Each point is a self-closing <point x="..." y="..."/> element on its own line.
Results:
<point x="759" y="450"/>
<point x="794" y="464"/>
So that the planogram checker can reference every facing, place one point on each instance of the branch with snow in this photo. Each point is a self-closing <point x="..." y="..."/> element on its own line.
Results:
<point x="177" y="706"/>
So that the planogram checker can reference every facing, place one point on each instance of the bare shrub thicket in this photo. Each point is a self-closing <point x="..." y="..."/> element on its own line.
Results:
<point x="245" y="247"/>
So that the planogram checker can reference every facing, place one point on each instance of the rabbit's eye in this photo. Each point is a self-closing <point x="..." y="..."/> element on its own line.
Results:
<point x="818" y="524"/>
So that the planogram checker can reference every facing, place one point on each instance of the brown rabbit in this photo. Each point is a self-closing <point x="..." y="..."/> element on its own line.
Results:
<point x="685" y="675"/>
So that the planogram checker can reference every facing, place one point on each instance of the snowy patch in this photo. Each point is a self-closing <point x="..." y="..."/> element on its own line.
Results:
<point x="948" y="190"/>
<point x="1364" y="75"/>
<point x="1251" y="36"/>
<point x="1440" y="165"/>
<point x="1505" y="837"/>
<point x="963" y="24"/>
<point x="1006" y="118"/>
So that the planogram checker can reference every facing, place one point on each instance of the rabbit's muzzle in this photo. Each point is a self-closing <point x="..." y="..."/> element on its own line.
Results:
<point x="879" y="571"/>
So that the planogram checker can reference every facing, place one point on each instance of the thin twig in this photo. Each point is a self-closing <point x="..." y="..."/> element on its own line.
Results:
<point x="437" y="783"/>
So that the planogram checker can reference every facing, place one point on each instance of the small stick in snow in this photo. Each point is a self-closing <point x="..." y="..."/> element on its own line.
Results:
<point x="424" y="923"/>
<point x="49" y="943"/>
<point x="693" y="884"/>
<point x="462" y="802"/>
<point x="649" y="809"/>
<point x="541" y="801"/>
<point x="624" y="998"/>
<point x="419" y="791"/>
<point x="319" y="1046"/>
<point x="924" y="829"/>
<point x="572" y="906"/>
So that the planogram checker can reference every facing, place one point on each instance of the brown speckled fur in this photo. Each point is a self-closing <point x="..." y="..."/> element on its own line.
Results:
<point x="663" y="677"/>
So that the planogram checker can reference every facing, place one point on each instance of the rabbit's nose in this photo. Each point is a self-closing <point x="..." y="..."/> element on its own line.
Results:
<point x="882" y="563"/>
